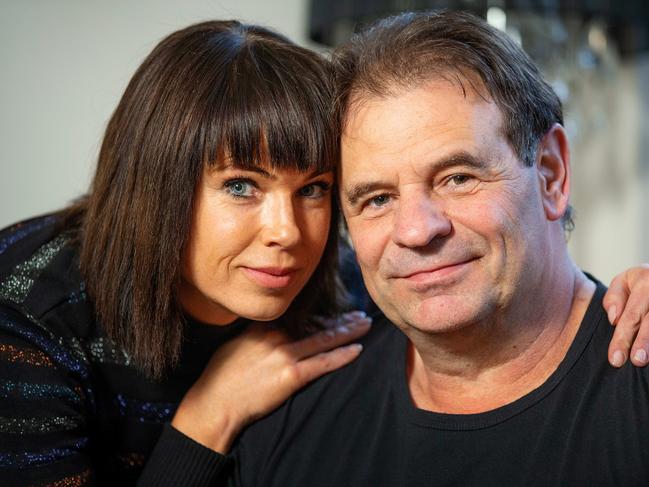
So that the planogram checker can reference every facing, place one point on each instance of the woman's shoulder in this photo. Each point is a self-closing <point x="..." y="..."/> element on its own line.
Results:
<point x="20" y="240"/>
<point x="40" y="278"/>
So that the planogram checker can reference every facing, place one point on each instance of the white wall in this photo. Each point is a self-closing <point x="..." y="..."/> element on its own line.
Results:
<point x="610" y="176"/>
<point x="63" y="67"/>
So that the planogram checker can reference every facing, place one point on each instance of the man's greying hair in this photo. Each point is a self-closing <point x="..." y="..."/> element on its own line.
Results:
<point x="406" y="50"/>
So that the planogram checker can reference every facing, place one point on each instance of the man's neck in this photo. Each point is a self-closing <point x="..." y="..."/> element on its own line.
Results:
<point x="488" y="365"/>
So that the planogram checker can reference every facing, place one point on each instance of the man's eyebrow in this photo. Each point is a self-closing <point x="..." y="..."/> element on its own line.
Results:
<point x="357" y="191"/>
<point x="458" y="159"/>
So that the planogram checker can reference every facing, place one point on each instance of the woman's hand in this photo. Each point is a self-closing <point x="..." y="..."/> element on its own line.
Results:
<point x="256" y="372"/>
<point x="627" y="305"/>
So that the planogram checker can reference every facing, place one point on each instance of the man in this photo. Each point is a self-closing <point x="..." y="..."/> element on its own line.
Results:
<point x="455" y="188"/>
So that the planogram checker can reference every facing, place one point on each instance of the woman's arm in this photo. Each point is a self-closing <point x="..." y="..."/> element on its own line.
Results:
<point x="45" y="403"/>
<point x="627" y="305"/>
<point x="253" y="374"/>
<point x="245" y="379"/>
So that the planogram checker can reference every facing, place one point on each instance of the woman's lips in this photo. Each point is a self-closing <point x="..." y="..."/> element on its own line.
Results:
<point x="270" y="277"/>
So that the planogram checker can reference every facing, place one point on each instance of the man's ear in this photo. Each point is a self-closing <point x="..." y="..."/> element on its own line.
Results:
<point x="553" y="164"/>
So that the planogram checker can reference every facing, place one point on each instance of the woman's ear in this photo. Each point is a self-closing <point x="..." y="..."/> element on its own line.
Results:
<point x="553" y="165"/>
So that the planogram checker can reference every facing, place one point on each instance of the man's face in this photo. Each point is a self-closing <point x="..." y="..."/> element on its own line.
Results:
<point x="446" y="221"/>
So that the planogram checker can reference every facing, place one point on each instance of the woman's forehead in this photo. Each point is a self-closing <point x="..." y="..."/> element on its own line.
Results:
<point x="265" y="163"/>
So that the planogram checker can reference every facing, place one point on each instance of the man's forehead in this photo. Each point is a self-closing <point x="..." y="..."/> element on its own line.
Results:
<point x="433" y="116"/>
<point x="420" y="131"/>
<point x="468" y="83"/>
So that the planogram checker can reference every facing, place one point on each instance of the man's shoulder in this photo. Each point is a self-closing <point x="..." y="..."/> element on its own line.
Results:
<point x="329" y="400"/>
<point x="384" y="343"/>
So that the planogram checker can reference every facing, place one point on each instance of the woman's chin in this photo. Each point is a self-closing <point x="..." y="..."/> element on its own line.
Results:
<point x="264" y="313"/>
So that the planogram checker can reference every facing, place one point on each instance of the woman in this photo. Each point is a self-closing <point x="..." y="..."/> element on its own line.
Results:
<point x="211" y="206"/>
<point x="211" y="202"/>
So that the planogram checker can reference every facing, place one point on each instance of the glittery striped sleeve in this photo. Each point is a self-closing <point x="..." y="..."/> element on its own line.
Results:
<point x="45" y="404"/>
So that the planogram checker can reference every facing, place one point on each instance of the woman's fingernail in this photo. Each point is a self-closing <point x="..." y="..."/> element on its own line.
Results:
<point x="355" y="314"/>
<point x="356" y="347"/>
<point x="640" y="356"/>
<point x="360" y="322"/>
<point x="612" y="314"/>
<point x="618" y="359"/>
<point x="342" y="329"/>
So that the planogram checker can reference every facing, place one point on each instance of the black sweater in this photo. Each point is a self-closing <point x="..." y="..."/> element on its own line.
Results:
<point x="73" y="408"/>
<point x="586" y="425"/>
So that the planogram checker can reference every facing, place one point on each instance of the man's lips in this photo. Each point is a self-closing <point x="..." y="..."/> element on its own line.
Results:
<point x="270" y="277"/>
<point x="436" y="271"/>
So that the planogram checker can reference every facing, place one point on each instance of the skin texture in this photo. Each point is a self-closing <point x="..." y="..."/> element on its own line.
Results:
<point x="256" y="238"/>
<point x="460" y="244"/>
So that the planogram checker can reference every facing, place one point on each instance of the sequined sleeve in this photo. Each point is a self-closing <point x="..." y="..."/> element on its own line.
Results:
<point x="74" y="408"/>
<point x="44" y="406"/>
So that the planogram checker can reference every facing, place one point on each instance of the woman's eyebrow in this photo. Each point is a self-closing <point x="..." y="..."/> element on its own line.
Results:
<point x="262" y="172"/>
<point x="251" y="168"/>
<point x="318" y="172"/>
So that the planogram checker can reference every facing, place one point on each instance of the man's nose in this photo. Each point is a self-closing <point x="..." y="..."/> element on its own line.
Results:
<point x="279" y="225"/>
<point x="419" y="219"/>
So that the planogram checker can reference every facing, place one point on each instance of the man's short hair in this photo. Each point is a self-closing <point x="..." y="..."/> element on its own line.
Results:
<point x="409" y="49"/>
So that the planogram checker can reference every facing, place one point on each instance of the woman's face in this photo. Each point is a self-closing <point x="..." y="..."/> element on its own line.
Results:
<point x="256" y="238"/>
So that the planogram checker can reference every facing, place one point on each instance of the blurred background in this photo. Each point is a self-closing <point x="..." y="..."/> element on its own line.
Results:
<point x="65" y="63"/>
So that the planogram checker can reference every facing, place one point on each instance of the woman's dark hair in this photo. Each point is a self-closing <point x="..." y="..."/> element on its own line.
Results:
<point x="213" y="88"/>
<point x="409" y="49"/>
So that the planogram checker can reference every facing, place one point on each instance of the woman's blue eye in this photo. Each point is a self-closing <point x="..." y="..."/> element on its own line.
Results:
<point x="239" y="188"/>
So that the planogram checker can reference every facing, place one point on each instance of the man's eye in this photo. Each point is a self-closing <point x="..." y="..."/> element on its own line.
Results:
<point x="239" y="188"/>
<point x="379" y="200"/>
<point x="459" y="179"/>
<point x="314" y="190"/>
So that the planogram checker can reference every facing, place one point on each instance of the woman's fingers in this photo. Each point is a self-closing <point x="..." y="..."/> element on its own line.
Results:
<point x="640" y="351"/>
<point x="255" y="372"/>
<point x="315" y="366"/>
<point x="346" y="329"/>
<point x="326" y="350"/>
<point x="627" y="306"/>
<point x="633" y="325"/>
<point x="329" y="322"/>
<point x="616" y="297"/>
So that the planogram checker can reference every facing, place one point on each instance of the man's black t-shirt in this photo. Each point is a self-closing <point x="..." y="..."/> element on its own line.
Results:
<point x="588" y="424"/>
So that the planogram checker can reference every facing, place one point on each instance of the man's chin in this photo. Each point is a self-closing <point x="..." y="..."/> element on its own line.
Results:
<point x="438" y="315"/>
